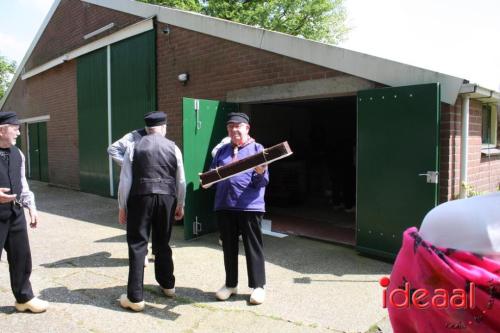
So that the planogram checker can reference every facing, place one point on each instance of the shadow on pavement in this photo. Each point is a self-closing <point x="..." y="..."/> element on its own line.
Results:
<point x="99" y="259"/>
<point x="299" y="254"/>
<point x="157" y="305"/>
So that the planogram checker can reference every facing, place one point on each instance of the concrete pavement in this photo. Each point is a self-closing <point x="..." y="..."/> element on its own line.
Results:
<point x="80" y="265"/>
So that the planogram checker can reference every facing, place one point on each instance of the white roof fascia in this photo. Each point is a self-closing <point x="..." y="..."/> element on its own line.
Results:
<point x="480" y="93"/>
<point x="369" y="67"/>
<point x="20" y="68"/>
<point x="125" y="33"/>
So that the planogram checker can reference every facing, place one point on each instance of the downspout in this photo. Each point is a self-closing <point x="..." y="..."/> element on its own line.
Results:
<point x="464" y="149"/>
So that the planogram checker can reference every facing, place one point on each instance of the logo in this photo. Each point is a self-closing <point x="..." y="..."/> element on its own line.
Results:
<point x="405" y="297"/>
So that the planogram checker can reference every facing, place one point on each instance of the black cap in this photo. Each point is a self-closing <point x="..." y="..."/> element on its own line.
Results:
<point x="8" y="117"/>
<point x="237" y="117"/>
<point x="155" y="118"/>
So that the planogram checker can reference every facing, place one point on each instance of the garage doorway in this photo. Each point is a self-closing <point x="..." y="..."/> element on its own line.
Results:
<point x="311" y="193"/>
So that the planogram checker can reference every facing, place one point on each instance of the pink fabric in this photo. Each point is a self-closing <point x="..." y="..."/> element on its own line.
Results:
<point x="424" y="266"/>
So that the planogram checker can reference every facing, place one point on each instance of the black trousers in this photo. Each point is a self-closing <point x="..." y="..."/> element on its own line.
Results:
<point x="14" y="239"/>
<point x="147" y="214"/>
<point x="231" y="223"/>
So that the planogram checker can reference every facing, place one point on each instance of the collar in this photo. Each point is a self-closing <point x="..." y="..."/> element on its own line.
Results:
<point x="249" y="141"/>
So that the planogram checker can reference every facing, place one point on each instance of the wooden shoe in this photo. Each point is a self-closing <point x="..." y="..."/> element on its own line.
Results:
<point x="258" y="296"/>
<point x="34" y="305"/>
<point x="127" y="304"/>
<point x="169" y="292"/>
<point x="225" y="292"/>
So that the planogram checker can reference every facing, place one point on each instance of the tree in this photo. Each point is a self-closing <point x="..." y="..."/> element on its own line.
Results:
<point x="321" y="20"/>
<point x="7" y="69"/>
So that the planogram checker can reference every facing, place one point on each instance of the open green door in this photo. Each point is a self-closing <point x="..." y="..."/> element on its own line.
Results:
<point x="204" y="126"/>
<point x="397" y="161"/>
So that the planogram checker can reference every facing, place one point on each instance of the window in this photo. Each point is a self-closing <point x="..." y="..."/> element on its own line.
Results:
<point x="489" y="126"/>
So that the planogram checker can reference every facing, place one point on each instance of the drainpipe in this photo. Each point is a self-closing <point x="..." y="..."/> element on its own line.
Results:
<point x="464" y="149"/>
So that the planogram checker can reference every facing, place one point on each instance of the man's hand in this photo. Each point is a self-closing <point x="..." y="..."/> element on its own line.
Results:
<point x="179" y="213"/>
<point x="4" y="197"/>
<point x="122" y="216"/>
<point x="261" y="169"/>
<point x="33" y="218"/>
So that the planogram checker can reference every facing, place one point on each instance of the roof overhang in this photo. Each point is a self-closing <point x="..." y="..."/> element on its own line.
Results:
<point x="481" y="94"/>
<point x="387" y="72"/>
<point x="380" y="70"/>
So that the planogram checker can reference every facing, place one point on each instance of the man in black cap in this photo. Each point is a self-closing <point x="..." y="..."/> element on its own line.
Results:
<point x="239" y="207"/>
<point x="14" y="194"/>
<point x="150" y="195"/>
<point x="117" y="151"/>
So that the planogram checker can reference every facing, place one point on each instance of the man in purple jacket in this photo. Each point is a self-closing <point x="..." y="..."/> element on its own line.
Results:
<point x="239" y="207"/>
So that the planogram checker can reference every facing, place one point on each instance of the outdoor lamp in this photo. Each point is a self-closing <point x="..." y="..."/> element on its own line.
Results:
<point x="183" y="78"/>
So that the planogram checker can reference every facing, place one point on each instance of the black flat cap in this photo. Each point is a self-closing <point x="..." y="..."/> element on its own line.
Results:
<point x="8" y="117"/>
<point x="155" y="118"/>
<point x="238" y="117"/>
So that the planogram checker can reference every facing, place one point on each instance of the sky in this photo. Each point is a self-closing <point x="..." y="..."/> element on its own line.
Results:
<point x="456" y="37"/>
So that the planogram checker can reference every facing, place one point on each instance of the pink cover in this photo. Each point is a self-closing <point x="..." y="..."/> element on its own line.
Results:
<point x="424" y="266"/>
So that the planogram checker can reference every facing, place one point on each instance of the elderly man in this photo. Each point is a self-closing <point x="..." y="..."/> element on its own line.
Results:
<point x="117" y="151"/>
<point x="14" y="194"/>
<point x="239" y="206"/>
<point x="150" y="195"/>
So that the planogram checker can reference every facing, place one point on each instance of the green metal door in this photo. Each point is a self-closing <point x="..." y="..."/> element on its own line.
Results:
<point x="38" y="152"/>
<point x="44" y="159"/>
<point x="133" y="86"/>
<point x="93" y="122"/>
<point x="204" y="126"/>
<point x="34" y="152"/>
<point x="398" y="143"/>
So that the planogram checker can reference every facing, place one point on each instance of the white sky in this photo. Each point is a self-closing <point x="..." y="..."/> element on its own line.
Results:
<point x="457" y="37"/>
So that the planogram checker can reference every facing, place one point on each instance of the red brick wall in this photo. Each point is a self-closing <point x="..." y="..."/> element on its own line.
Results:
<point x="71" y="21"/>
<point x="53" y="93"/>
<point x="216" y="66"/>
<point x="483" y="172"/>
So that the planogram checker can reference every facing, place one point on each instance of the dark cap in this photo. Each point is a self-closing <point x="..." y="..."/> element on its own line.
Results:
<point x="155" y="118"/>
<point x="8" y="117"/>
<point x="237" y="117"/>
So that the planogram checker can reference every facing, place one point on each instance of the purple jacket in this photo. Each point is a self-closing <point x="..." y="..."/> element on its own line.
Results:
<point x="245" y="191"/>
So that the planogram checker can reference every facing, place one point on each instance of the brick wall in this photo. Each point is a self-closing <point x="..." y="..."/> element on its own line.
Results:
<point x="53" y="93"/>
<point x="217" y="66"/>
<point x="483" y="172"/>
<point x="71" y="21"/>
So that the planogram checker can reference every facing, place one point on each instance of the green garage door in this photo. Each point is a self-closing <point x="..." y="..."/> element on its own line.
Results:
<point x="132" y="86"/>
<point x="398" y="141"/>
<point x="204" y="126"/>
<point x="93" y="122"/>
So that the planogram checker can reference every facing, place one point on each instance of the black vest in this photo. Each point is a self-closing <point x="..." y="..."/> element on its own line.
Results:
<point x="154" y="166"/>
<point x="10" y="177"/>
